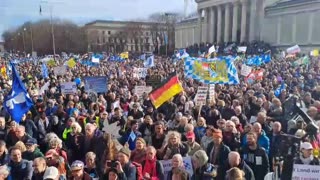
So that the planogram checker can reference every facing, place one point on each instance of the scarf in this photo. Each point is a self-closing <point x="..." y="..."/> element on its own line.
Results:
<point x="150" y="167"/>
<point x="306" y="160"/>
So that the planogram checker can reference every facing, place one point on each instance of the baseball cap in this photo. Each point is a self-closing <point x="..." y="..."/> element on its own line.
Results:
<point x="77" y="165"/>
<point x="51" y="173"/>
<point x="190" y="135"/>
<point x="306" y="145"/>
<point x="31" y="141"/>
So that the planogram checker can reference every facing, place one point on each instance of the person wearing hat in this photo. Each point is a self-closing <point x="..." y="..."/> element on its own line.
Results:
<point x="77" y="171"/>
<point x="202" y="169"/>
<point x="217" y="151"/>
<point x="306" y="157"/>
<point x="51" y="173"/>
<point x="191" y="143"/>
<point x="32" y="150"/>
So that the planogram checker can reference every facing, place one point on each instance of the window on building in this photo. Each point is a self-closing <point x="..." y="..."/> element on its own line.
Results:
<point x="98" y="41"/>
<point x="104" y="40"/>
<point x="147" y="33"/>
<point x="109" y="32"/>
<point x="147" y="40"/>
<point x="103" y="32"/>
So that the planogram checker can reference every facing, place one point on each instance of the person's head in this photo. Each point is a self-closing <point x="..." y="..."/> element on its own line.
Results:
<point x="134" y="125"/>
<point x="188" y="127"/>
<point x="55" y="143"/>
<point x="90" y="128"/>
<point x="312" y="111"/>
<point x="235" y="120"/>
<point x="235" y="174"/>
<point x="201" y="122"/>
<point x="177" y="161"/>
<point x="179" y="174"/>
<point x="90" y="159"/>
<point x="77" y="169"/>
<point x="209" y="130"/>
<point x="2" y="122"/>
<point x="199" y="159"/>
<point x="4" y="172"/>
<point x="39" y="165"/>
<point x="51" y="173"/>
<point x="20" y="131"/>
<point x="306" y="149"/>
<point x="234" y="159"/>
<point x="237" y="110"/>
<point x="174" y="138"/>
<point x="159" y="127"/>
<point x="257" y="128"/>
<point x="262" y="117"/>
<point x="21" y="146"/>
<point x="15" y="155"/>
<point x="276" y="127"/>
<point x="124" y="155"/>
<point x="140" y="143"/>
<point x="31" y="144"/>
<point x="251" y="139"/>
<point x="3" y="147"/>
<point x="230" y="126"/>
<point x="112" y="174"/>
<point x="148" y="119"/>
<point x="151" y="152"/>
<point x="190" y="137"/>
<point x="221" y="123"/>
<point x="183" y="121"/>
<point x="217" y="136"/>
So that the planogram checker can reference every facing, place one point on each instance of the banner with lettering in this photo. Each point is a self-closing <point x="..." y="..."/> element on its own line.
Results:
<point x="167" y="166"/>
<point x="302" y="172"/>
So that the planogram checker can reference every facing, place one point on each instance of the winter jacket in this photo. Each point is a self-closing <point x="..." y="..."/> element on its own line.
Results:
<point x="159" y="170"/>
<point x="30" y="156"/>
<point x="257" y="160"/>
<point x="130" y="171"/>
<point x="203" y="174"/>
<point x="4" y="159"/>
<point x="22" y="170"/>
<point x="222" y="156"/>
<point x="249" y="175"/>
<point x="263" y="141"/>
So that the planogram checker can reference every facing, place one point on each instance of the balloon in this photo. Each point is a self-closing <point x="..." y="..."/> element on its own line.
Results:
<point x="77" y="81"/>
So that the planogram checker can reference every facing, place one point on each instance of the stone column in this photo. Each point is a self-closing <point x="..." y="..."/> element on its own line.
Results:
<point x="199" y="27"/>
<point x="243" y="20"/>
<point x="227" y="22"/>
<point x="219" y="24"/>
<point x="205" y="26"/>
<point x="212" y="25"/>
<point x="235" y="21"/>
<point x="253" y="16"/>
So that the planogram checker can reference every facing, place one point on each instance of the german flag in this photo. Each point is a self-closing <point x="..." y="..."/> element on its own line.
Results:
<point x="168" y="89"/>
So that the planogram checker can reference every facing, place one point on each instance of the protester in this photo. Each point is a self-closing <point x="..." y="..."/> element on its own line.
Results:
<point x="202" y="169"/>
<point x="19" y="168"/>
<point x="151" y="167"/>
<point x="306" y="156"/>
<point x="177" y="168"/>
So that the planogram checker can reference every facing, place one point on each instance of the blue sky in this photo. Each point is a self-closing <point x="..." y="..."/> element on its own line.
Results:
<point x="15" y="12"/>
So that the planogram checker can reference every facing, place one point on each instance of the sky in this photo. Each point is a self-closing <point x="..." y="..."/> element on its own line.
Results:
<point x="14" y="13"/>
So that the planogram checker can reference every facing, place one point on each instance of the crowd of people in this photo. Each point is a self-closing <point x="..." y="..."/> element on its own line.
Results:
<point x="236" y="135"/>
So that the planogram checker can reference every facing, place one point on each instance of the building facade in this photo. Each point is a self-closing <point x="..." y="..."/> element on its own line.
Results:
<point x="119" y="36"/>
<point x="1" y="46"/>
<point x="288" y="23"/>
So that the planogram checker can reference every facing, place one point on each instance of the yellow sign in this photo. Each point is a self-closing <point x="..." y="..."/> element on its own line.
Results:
<point x="51" y="63"/>
<point x="211" y="71"/>
<point x="4" y="72"/>
<point x="71" y="63"/>
<point x="315" y="53"/>
<point x="124" y="55"/>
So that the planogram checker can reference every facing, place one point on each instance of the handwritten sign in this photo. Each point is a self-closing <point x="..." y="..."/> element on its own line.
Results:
<point x="245" y="70"/>
<point x="140" y="72"/>
<point x="62" y="70"/>
<point x="139" y="90"/>
<point x="302" y="172"/>
<point x="167" y="166"/>
<point x="201" y="96"/>
<point x="68" y="88"/>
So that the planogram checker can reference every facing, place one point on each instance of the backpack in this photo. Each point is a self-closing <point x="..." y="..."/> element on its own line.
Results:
<point x="139" y="170"/>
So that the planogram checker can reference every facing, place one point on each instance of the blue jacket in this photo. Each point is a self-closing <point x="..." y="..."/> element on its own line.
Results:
<point x="22" y="170"/>
<point x="263" y="141"/>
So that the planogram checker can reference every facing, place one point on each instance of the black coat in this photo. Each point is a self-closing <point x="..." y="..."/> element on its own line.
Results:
<point x="223" y="153"/>
<point x="249" y="175"/>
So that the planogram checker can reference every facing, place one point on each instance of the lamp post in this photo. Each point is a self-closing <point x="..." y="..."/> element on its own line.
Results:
<point x="24" y="42"/>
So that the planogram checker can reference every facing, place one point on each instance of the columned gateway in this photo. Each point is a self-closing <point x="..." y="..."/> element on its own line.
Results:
<point x="225" y="20"/>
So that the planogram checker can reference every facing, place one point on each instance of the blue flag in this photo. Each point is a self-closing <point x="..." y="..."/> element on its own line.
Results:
<point x="278" y="91"/>
<point x="259" y="60"/>
<point x="142" y="57"/>
<point x="45" y="73"/>
<point x="149" y="62"/>
<point x="132" y="136"/>
<point x="18" y="101"/>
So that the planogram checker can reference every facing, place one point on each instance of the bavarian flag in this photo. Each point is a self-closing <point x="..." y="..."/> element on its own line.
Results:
<point x="166" y="90"/>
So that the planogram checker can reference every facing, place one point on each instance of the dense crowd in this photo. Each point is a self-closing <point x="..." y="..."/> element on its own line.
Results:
<point x="236" y="135"/>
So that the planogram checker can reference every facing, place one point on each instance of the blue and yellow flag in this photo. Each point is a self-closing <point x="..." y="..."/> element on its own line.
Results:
<point x="212" y="71"/>
<point x="124" y="55"/>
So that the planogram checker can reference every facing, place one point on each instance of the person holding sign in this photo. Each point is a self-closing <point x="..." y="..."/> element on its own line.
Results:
<point x="178" y="169"/>
<point x="306" y="156"/>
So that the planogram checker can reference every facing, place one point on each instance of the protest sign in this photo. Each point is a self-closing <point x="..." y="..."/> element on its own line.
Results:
<point x="294" y="49"/>
<point x="140" y="72"/>
<point x="167" y="166"/>
<point x="96" y="84"/>
<point x="212" y="92"/>
<point x="154" y="81"/>
<point x="112" y="129"/>
<point x="242" y="49"/>
<point x="201" y="96"/>
<point x="245" y="70"/>
<point x="139" y="90"/>
<point x="44" y="88"/>
<point x="301" y="172"/>
<point x="68" y="88"/>
<point x="58" y="71"/>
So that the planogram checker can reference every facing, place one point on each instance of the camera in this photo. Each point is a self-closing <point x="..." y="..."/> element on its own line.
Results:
<point x="112" y="164"/>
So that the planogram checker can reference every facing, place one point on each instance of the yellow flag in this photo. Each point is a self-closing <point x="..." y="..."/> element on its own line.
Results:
<point x="124" y="55"/>
<point x="4" y="72"/>
<point x="315" y="53"/>
<point x="71" y="63"/>
<point x="51" y="63"/>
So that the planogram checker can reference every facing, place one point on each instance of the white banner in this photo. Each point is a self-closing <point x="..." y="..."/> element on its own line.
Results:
<point x="245" y="70"/>
<point x="58" y="71"/>
<point x="139" y="90"/>
<point x="167" y="166"/>
<point x="140" y="72"/>
<point x="242" y="49"/>
<point x="293" y="49"/>
<point x="201" y="96"/>
<point x="95" y="60"/>
<point x="68" y="88"/>
<point x="302" y="172"/>
<point x="212" y="91"/>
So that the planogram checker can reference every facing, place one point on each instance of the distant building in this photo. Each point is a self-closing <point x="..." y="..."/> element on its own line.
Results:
<point x="1" y="46"/>
<point x="291" y="22"/>
<point x="119" y="36"/>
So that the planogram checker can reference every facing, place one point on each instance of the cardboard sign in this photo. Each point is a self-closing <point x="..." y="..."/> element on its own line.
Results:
<point x="140" y="72"/>
<point x="68" y="88"/>
<point x="301" y="172"/>
<point x="201" y="96"/>
<point x="139" y="90"/>
<point x="59" y="71"/>
<point x="245" y="70"/>
<point x="167" y="166"/>
<point x="96" y="84"/>
<point x="154" y="81"/>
